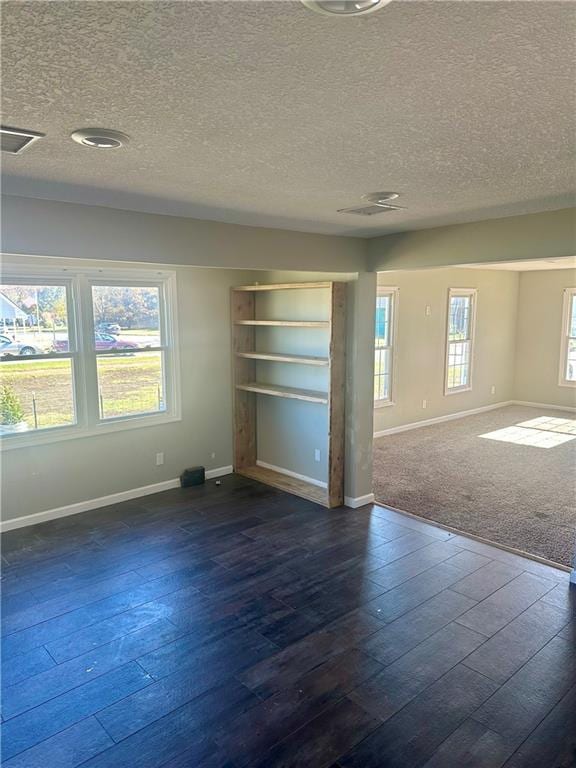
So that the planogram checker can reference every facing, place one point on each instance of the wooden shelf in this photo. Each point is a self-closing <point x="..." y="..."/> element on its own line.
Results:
<point x="286" y="483"/>
<point x="281" y="286"/>
<point x="244" y="303"/>
<point x="287" y="323"/>
<point x="274" y="357"/>
<point x="310" y="395"/>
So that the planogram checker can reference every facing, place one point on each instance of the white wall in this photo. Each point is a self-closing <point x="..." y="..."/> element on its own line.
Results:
<point x="63" y="473"/>
<point x="37" y="479"/>
<point x="49" y="228"/>
<point x="516" y="349"/>
<point x="58" y="474"/>
<point x="303" y="426"/>
<point x="546" y="235"/>
<point x="538" y="340"/>
<point x="421" y="343"/>
<point x="69" y="472"/>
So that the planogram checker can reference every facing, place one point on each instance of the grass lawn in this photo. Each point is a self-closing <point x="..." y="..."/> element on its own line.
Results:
<point x="130" y="383"/>
<point x="127" y="384"/>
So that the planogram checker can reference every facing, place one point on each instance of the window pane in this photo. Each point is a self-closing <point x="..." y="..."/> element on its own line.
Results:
<point x="383" y="349"/>
<point x="572" y="330"/>
<point x="571" y="361"/>
<point x="35" y="394"/>
<point x="459" y="324"/>
<point x="126" y="317"/>
<point x="382" y="372"/>
<point x="129" y="384"/>
<point x="382" y="320"/>
<point x="33" y="319"/>
<point x="458" y="364"/>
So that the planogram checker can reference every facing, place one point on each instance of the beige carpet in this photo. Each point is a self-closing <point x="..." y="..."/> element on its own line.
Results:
<point x="519" y="494"/>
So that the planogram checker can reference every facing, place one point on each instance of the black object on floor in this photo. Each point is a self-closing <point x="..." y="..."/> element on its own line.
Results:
<point x="192" y="476"/>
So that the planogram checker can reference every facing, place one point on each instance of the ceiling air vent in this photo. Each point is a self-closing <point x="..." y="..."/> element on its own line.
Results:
<point x="15" y="140"/>
<point x="371" y="210"/>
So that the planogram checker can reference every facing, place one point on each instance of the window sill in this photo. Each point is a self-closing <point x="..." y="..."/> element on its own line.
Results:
<point x="568" y="384"/>
<point x="457" y="391"/>
<point x="34" y="439"/>
<point x="383" y="403"/>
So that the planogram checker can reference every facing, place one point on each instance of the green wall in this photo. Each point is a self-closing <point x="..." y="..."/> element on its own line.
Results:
<point x="547" y="235"/>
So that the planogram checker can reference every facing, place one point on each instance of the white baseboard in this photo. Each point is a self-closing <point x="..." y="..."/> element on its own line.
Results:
<point x="289" y="473"/>
<point x="349" y="501"/>
<point x="358" y="501"/>
<point x="448" y="417"/>
<point x="219" y="472"/>
<point x="102" y="501"/>
<point x="545" y="406"/>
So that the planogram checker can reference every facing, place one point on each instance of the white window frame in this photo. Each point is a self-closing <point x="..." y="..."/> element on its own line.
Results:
<point x="394" y="295"/>
<point x="568" y="297"/>
<point x="78" y="282"/>
<point x="472" y="293"/>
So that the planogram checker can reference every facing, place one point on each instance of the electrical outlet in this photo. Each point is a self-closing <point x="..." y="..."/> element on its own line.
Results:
<point x="159" y="459"/>
<point x="428" y="310"/>
<point x="492" y="390"/>
<point x="424" y="403"/>
<point x="317" y="454"/>
<point x="212" y="455"/>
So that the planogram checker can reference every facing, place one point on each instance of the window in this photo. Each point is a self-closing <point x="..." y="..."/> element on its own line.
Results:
<point x="129" y="382"/>
<point x="386" y="307"/>
<point x="85" y="353"/>
<point x="568" y="345"/>
<point x="460" y="339"/>
<point x="37" y="382"/>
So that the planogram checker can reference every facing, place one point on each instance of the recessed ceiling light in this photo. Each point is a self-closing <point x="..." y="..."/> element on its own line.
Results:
<point x="345" y="7"/>
<point x="100" y="138"/>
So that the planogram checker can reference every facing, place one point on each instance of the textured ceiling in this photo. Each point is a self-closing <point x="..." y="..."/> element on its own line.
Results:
<point x="264" y="113"/>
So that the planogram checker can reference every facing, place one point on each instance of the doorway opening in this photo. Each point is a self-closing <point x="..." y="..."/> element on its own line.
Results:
<point x="475" y="401"/>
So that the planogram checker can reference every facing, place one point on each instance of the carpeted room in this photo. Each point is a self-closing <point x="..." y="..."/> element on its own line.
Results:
<point x="515" y="494"/>
<point x="495" y="457"/>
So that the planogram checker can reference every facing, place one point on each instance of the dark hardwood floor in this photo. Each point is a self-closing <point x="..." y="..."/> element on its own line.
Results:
<point x="237" y="626"/>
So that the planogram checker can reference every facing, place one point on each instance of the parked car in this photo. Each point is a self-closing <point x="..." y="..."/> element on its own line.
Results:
<point x="108" y="328"/>
<point x="108" y="341"/>
<point x="102" y="341"/>
<point x="9" y="346"/>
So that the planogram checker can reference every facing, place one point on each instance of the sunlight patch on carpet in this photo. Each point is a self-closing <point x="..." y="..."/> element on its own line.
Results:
<point x="551" y="424"/>
<point x="534" y="436"/>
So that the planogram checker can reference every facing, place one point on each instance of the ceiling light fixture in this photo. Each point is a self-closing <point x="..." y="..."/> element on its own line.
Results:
<point x="345" y="7"/>
<point x="100" y="138"/>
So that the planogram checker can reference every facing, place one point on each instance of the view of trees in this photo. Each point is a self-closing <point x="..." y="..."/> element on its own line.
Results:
<point x="45" y="305"/>
<point x="128" y="306"/>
